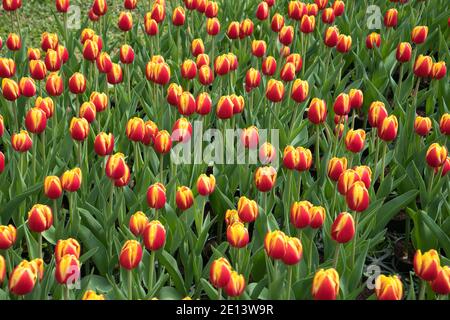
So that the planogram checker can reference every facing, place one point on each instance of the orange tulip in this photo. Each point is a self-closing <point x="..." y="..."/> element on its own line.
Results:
<point x="67" y="247"/>
<point x="357" y="197"/>
<point x="275" y="244"/>
<point x="130" y="255"/>
<point x="427" y="265"/>
<point x="138" y="223"/>
<point x="220" y="273"/>
<point x="154" y="235"/>
<point x="325" y="284"/>
<point x="35" y="120"/>
<point x="67" y="269"/>
<point x="343" y="228"/>
<point x="156" y="196"/>
<point x="40" y="218"/>
<point x="388" y="288"/>
<point x="184" y="198"/>
<point x="236" y="285"/>
<point x="52" y="187"/>
<point x="294" y="251"/>
<point x="21" y="142"/>
<point x="71" y="180"/>
<point x="8" y="235"/>
<point x="441" y="284"/>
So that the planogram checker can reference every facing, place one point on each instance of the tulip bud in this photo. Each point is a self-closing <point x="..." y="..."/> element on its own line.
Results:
<point x="259" y="48"/>
<point x="336" y="166"/>
<point x="197" y="47"/>
<point x="181" y="130"/>
<point x="77" y="83"/>
<point x="35" y="120"/>
<point x="246" y="28"/>
<point x="125" y="179"/>
<point x="222" y="65"/>
<point x="126" y="54"/>
<point x="27" y="87"/>
<point x="135" y="129"/>
<point x="354" y="140"/>
<point x="388" y="288"/>
<point x="104" y="63"/>
<point x="205" y="184"/>
<point x="286" y="35"/>
<point x="237" y="235"/>
<point x="88" y="111"/>
<point x="67" y="247"/>
<point x="294" y="251"/>
<point x="40" y="218"/>
<point x="7" y="68"/>
<point x="423" y="66"/>
<point x="236" y="284"/>
<point x="174" y="92"/>
<point x="91" y="295"/>
<point x="115" y="75"/>
<point x="225" y="108"/>
<point x="287" y="73"/>
<point x="436" y="155"/>
<point x="10" y="89"/>
<point x="331" y="36"/>
<point x="220" y="272"/>
<point x="158" y="12"/>
<point x="203" y="103"/>
<point x="275" y="90"/>
<point x="188" y="69"/>
<point x="13" y="42"/>
<point x="328" y="16"/>
<point x="233" y="30"/>
<point x="52" y="187"/>
<point x="79" y="128"/>
<point x="150" y="25"/>
<point x="277" y="22"/>
<point x="269" y="66"/>
<point x="267" y="153"/>
<point x="100" y="7"/>
<point x="49" y="41"/>
<point x="138" y="222"/>
<point x="202" y="60"/>
<point x="325" y="284"/>
<point x="291" y="157"/>
<point x="341" y="105"/>
<point x="184" y="198"/>
<point x="250" y="137"/>
<point x="2" y="269"/>
<point x="22" y="279"/>
<point x="37" y="69"/>
<point x="357" y="197"/>
<point x="419" y="34"/>
<point x="212" y="26"/>
<point x="53" y="60"/>
<point x="21" y="142"/>
<point x="115" y="166"/>
<point x="438" y="70"/>
<point x="296" y="10"/>
<point x="163" y="142"/>
<point x="305" y="159"/>
<point x="71" y="180"/>
<point x="275" y="244"/>
<point x="252" y="78"/>
<point x="441" y="284"/>
<point x="265" y="178"/>
<point x="54" y="85"/>
<point x="33" y="54"/>
<point x="178" y="16"/>
<point x="125" y="22"/>
<point x="67" y="269"/>
<point x="154" y="235"/>
<point x="318" y="215"/>
<point x="444" y="124"/>
<point x="356" y="98"/>
<point x="343" y="43"/>
<point x="307" y="24"/>
<point x="422" y="125"/>
<point x="391" y="18"/>
<point x="404" y="52"/>
<point x="247" y="210"/>
<point x="8" y="235"/>
<point x="12" y="5"/>
<point x="346" y="180"/>
<point x="156" y="196"/>
<point x="62" y="5"/>
<point x="427" y="265"/>
<point x="300" y="214"/>
<point x="262" y="11"/>
<point x="388" y="128"/>
<point x="343" y="228"/>
<point x="377" y="114"/>
<point x="317" y="111"/>
<point x="205" y="75"/>
<point x="130" y="255"/>
<point x="232" y="216"/>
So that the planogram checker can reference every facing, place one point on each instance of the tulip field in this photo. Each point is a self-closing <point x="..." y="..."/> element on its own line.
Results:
<point x="224" y="150"/>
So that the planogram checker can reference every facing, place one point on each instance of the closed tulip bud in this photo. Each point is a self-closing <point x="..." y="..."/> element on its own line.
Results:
<point x="236" y="285"/>
<point x="7" y="68"/>
<point x="275" y="244"/>
<point x="156" y="196"/>
<point x="53" y="60"/>
<point x="246" y="28"/>
<point x="92" y="295"/>
<point x="205" y="75"/>
<point x="79" y="128"/>
<point x="197" y="47"/>
<point x="163" y="142"/>
<point x="62" y="5"/>
<point x="391" y="18"/>
<point x="237" y="235"/>
<point x="10" y="89"/>
<point x="191" y="4"/>
<point x="336" y="166"/>
<point x="233" y="30"/>
<point x="419" y="34"/>
<point x="184" y="198"/>
<point x="296" y="10"/>
<point x="46" y="105"/>
<point x="354" y="140"/>
<point x="88" y="111"/>
<point x="423" y="66"/>
<point x="49" y="41"/>
<point x="162" y="73"/>
<point x="344" y="43"/>
<point x="286" y="35"/>
<point x="356" y="98"/>
<point x="138" y="223"/>
<point x="202" y="60"/>
<point x="154" y="235"/>
<point x="40" y="218"/>
<point x="388" y="129"/>
<point x="126" y="54"/>
<point x="225" y="108"/>
<point x="67" y="247"/>
<point x="357" y="197"/>
<point x="77" y="83"/>
<point x="285" y="51"/>
<point x="22" y="279"/>
<point x="331" y="36"/>
<point x="265" y="178"/>
<point x="291" y="157"/>
<point x="250" y="137"/>
<point x="341" y="105"/>
<point x="203" y="103"/>
<point x="8" y="235"/>
<point x="104" y="62"/>
<point x="220" y="273"/>
<point x="212" y="9"/>
<point x="267" y="153"/>
<point x="438" y="70"/>
<point x="300" y="90"/>
<point x="328" y="16"/>
<point x="200" y="5"/>
<point x="277" y="22"/>
<point x="21" y="142"/>
<point x="307" y="24"/>
<point x="86" y="33"/>
<point x="125" y="179"/>
<point x="222" y="65"/>
<point x="13" y="42"/>
<point x="338" y="7"/>
<point x="238" y="103"/>
<point x="422" y="125"/>
<point x="33" y="54"/>
<point x="388" y="288"/>
<point x="312" y="9"/>
<point x="232" y="216"/>
<point x="294" y="251"/>
<point x="2" y="269"/>
<point x="269" y="66"/>
<point x="404" y="52"/>
<point x="71" y="180"/>
<point x="206" y="184"/>
<point x="63" y="53"/>
<point x="150" y="25"/>
<point x="325" y="284"/>
<point x="52" y="187"/>
<point x="27" y="87"/>
<point x="38" y="70"/>
<point x="130" y="255"/>
<point x="99" y="100"/>
<point x="11" y="5"/>
<point x="441" y="284"/>
<point x="287" y="73"/>
<point x="252" y="78"/>
<point x="305" y="159"/>
<point x="262" y="11"/>
<point x="343" y="228"/>
<point x="115" y="166"/>
<point x="318" y="216"/>
<point x="377" y="114"/>
<point x="259" y="48"/>
<point x="135" y="129"/>
<point x="346" y="180"/>
<point x="35" y="120"/>
<point x="445" y="167"/>
<point x="174" y="92"/>
<point x="275" y="90"/>
<point x="296" y="60"/>
<point x="188" y="69"/>
<point x="300" y="214"/>
<point x="115" y="75"/>
<point x="373" y="40"/>
<point x="158" y="12"/>
<point x="181" y="130"/>
<point x="317" y="111"/>
<point x="365" y="175"/>
<point x="212" y="26"/>
<point x="100" y="7"/>
<point x="67" y="269"/>
<point x="247" y="210"/>
<point x="178" y="16"/>
<point x="444" y="124"/>
<point x="125" y="22"/>
<point x="427" y="265"/>
<point x="436" y="155"/>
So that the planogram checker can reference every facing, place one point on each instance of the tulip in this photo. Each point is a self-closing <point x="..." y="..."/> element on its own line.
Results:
<point x="404" y="52"/>
<point x="202" y="60"/>
<point x="22" y="279"/>
<point x="203" y="103"/>
<point x="174" y="92"/>
<point x="377" y="114"/>
<point x="318" y="215"/>
<point x="212" y="26"/>
<point x="305" y="159"/>
<point x="115" y="75"/>
<point x="220" y="273"/>
<point x="252" y="78"/>
<point x="2" y="269"/>
<point x="419" y="34"/>
<point x="341" y="105"/>
<point x="262" y="11"/>
<point x="100" y="7"/>
<point x="294" y="251"/>
<point x="130" y="255"/>
<point x="178" y="16"/>
<point x="206" y="184"/>
<point x="115" y="166"/>
<point x="27" y="87"/>
<point x="79" y="128"/>
<point x="225" y="108"/>
<point x="158" y="12"/>
<point x="445" y="167"/>
<point x="125" y="22"/>
<point x="444" y="124"/>
<point x="232" y="216"/>
<point x="67" y="247"/>
<point x="441" y="284"/>
<point x="205" y="75"/>
<point x="287" y="73"/>
<point x="211" y="9"/>
<point x="37" y="69"/>
<point x="156" y="196"/>
<point x="163" y="142"/>
<point x="184" y="198"/>
<point x="54" y="85"/>
<point x="237" y="235"/>
<point x="2" y="126"/>
<point x="325" y="284"/>
<point x="138" y="222"/>
<point x="88" y="111"/>
<point x="10" y="89"/>
<point x="373" y="40"/>
<point x="422" y="125"/>
<point x="71" y="180"/>
<point x="267" y="153"/>
<point x="328" y="16"/>
<point x="356" y="98"/>
<point x="286" y="35"/>
<point x="135" y="129"/>
<point x="40" y="218"/>
<point x="391" y="18"/>
<point x="92" y="295"/>
<point x="67" y="269"/>
<point x="52" y="187"/>
<point x="21" y="142"/>
<point x="343" y="43"/>
<point x="188" y="69"/>
<point x="236" y="284"/>
<point x="300" y="214"/>
<point x="11" y="5"/>
<point x="365" y="175"/>
<point x="181" y="130"/>
<point x="197" y="47"/>
<point x="13" y="42"/>
<point x="154" y="235"/>
<point x="125" y="178"/>
<point x="77" y="83"/>
<point x="104" y="63"/>
<point x="246" y="28"/>
<point x="233" y="30"/>
<point x="46" y="105"/>
<point x="388" y="288"/>
<point x="354" y="140"/>
<point x="126" y="54"/>
<point x="150" y="25"/>
<point x="265" y="178"/>
<point x="317" y="111"/>
<point x="247" y="210"/>
<point x="33" y="54"/>
<point x="8" y="235"/>
<point x="338" y="7"/>
<point x="49" y="41"/>
<point x="275" y="244"/>
<point x="291" y="157"/>
<point x="357" y="197"/>
<point x="331" y="36"/>
<point x="346" y="180"/>
<point x="343" y="228"/>
<point x="259" y="48"/>
<point x="296" y="10"/>
<point x="53" y="60"/>
<point x="427" y="265"/>
<point x="62" y="5"/>
<point x="275" y="90"/>
<point x="388" y="128"/>
<point x="250" y="137"/>
<point x="336" y="166"/>
<point x="151" y="130"/>
<point x="307" y="24"/>
<point x="423" y="66"/>
<point x="277" y="22"/>
<point x="436" y="155"/>
<point x="438" y="70"/>
<point x="7" y="68"/>
<point x="35" y="120"/>
<point x="222" y="65"/>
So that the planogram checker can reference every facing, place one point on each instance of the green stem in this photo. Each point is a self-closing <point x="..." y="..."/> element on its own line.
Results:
<point x="65" y="292"/>
<point x="130" y="284"/>
<point x="355" y="238"/>
<point x="423" y="286"/>
<point x="288" y="295"/>
<point x="151" y="268"/>
<point x="318" y="151"/>
<point x="383" y="161"/>
<point x="336" y="256"/>
<point x="40" y="244"/>
<point x="161" y="167"/>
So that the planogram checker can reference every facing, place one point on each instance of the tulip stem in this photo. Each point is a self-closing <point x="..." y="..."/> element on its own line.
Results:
<point x="130" y="284"/>
<point x="355" y="238"/>
<point x="33" y="151"/>
<point x="311" y="243"/>
<point x="423" y="286"/>
<point x="383" y="161"/>
<point x="161" y="167"/>
<point x="65" y="292"/>
<point x="136" y="158"/>
<point x="43" y="142"/>
<point x="151" y="271"/>
<point x="40" y="244"/>
<point x="317" y="152"/>
<point x="336" y="256"/>
<point x="288" y="295"/>
<point x="219" y="294"/>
